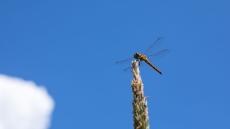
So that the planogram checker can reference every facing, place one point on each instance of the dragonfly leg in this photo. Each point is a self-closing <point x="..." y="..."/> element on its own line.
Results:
<point x="139" y="61"/>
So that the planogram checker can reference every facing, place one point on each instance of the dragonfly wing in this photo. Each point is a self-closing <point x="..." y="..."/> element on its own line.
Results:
<point x="124" y="60"/>
<point x="157" y="41"/>
<point x="129" y="68"/>
<point x="162" y="52"/>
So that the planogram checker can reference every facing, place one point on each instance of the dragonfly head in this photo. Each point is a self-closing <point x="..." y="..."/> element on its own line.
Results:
<point x="136" y="55"/>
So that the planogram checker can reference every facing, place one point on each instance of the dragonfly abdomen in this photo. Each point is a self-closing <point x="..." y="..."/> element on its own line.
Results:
<point x="154" y="67"/>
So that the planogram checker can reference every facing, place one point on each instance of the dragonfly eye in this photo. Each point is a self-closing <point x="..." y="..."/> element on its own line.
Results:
<point x="136" y="55"/>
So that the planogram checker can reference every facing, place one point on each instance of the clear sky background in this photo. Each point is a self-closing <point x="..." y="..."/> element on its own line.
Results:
<point x="70" y="47"/>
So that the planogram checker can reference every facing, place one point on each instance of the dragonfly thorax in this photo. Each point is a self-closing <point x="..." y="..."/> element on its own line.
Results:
<point x="139" y="56"/>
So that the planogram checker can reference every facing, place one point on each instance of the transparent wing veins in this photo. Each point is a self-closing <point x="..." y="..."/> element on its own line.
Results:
<point x="159" y="53"/>
<point x="124" y="60"/>
<point x="154" y="44"/>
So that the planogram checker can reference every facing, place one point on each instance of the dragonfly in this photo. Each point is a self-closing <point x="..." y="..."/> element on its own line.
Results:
<point x="141" y="57"/>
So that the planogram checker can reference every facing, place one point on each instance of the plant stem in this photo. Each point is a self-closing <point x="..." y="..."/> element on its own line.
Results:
<point x="140" y="109"/>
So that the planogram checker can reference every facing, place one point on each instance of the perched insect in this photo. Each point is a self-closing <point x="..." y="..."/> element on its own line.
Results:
<point x="144" y="57"/>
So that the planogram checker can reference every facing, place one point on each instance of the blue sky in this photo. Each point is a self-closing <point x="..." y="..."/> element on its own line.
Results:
<point x="71" y="46"/>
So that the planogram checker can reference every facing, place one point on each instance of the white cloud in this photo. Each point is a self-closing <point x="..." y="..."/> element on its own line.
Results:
<point x="23" y="104"/>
